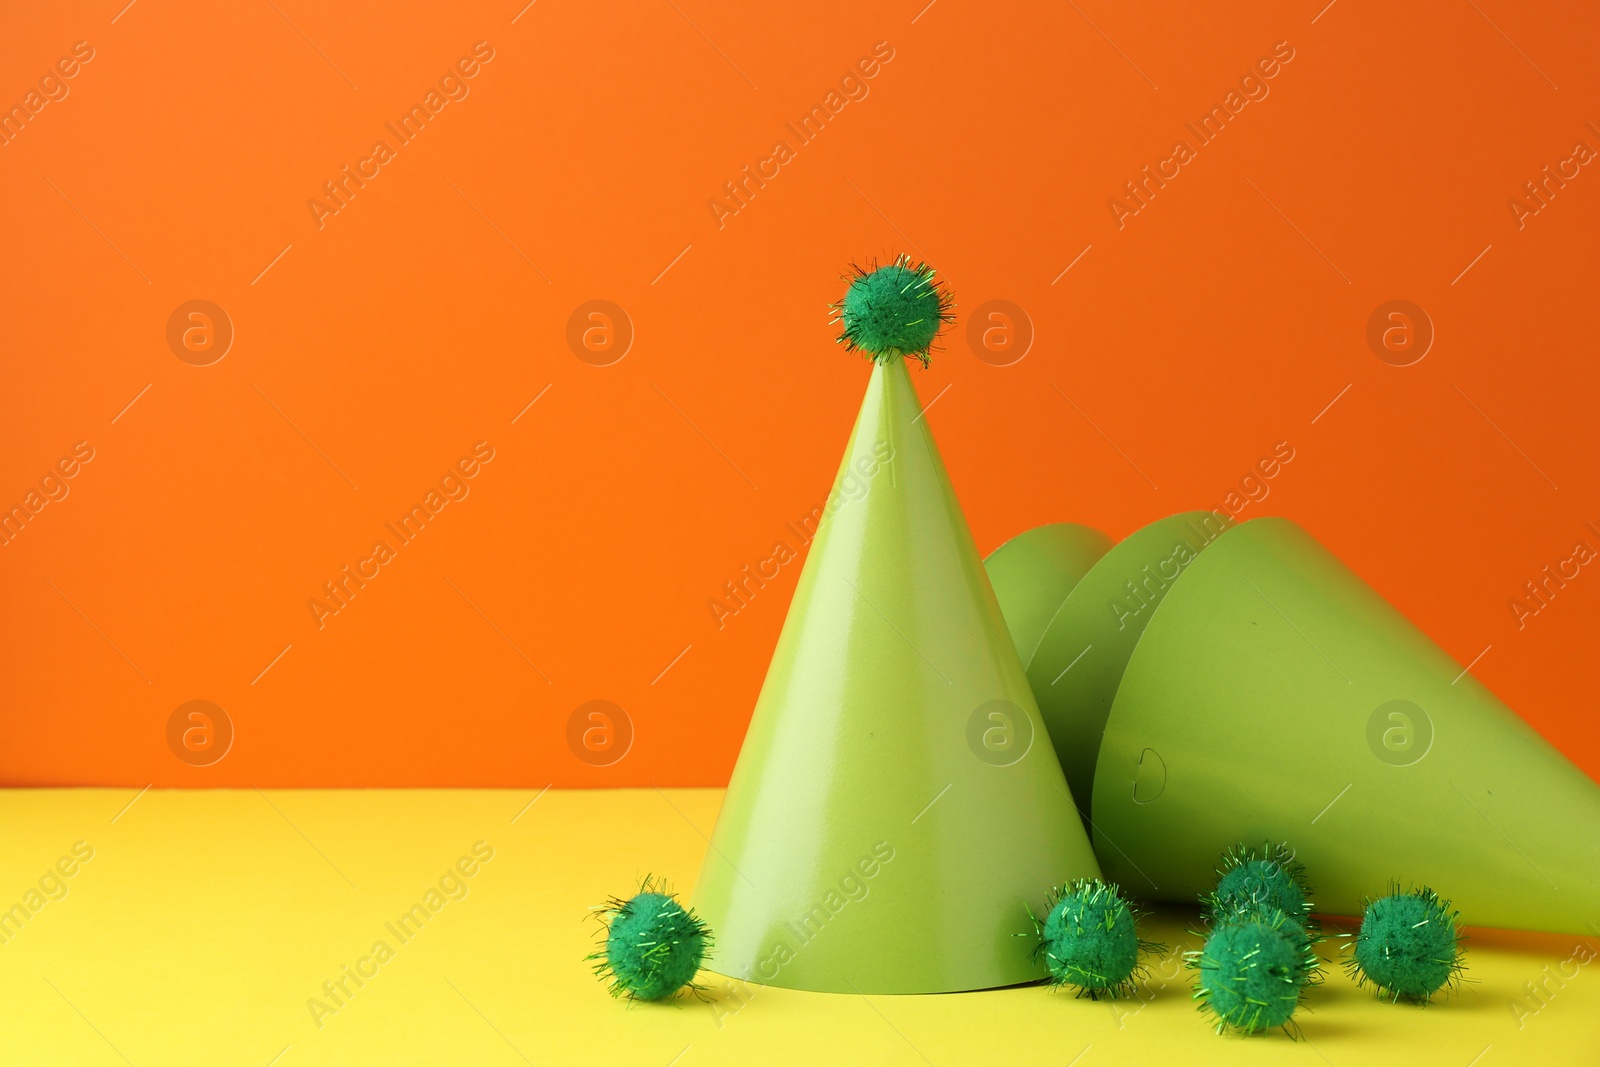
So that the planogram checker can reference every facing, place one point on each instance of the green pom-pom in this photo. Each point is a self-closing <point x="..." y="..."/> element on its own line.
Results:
<point x="1252" y="971"/>
<point x="893" y="311"/>
<point x="1268" y="877"/>
<point x="1090" y="939"/>
<point x="1408" y="946"/>
<point x="651" y="946"/>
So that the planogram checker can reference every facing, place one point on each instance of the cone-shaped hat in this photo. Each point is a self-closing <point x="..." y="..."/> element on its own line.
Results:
<point x="896" y="806"/>
<point x="1274" y="696"/>
<point x="1080" y="657"/>
<point x="1034" y="571"/>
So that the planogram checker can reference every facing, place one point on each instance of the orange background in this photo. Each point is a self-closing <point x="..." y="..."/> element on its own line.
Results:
<point x="427" y="313"/>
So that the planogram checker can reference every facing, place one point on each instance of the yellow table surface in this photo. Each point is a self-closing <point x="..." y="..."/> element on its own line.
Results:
<point x="206" y="920"/>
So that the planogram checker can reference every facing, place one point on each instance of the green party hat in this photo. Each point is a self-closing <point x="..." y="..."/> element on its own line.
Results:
<point x="1274" y="696"/>
<point x="897" y="805"/>
<point x="1035" y="571"/>
<point x="1077" y="662"/>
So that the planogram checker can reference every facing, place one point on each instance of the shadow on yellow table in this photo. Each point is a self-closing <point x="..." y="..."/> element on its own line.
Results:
<point x="290" y="928"/>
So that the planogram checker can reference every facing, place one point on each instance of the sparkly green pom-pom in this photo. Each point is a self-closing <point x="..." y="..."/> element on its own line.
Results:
<point x="893" y="311"/>
<point x="1089" y="939"/>
<point x="1252" y="971"/>
<point x="1408" y="946"/>
<point x="651" y="945"/>
<point x="1250" y="878"/>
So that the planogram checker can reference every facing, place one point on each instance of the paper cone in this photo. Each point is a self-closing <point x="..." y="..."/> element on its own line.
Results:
<point x="1034" y="571"/>
<point x="896" y="803"/>
<point x="1080" y="658"/>
<point x="1274" y="696"/>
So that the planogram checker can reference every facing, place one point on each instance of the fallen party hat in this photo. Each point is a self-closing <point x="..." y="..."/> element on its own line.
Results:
<point x="1077" y="661"/>
<point x="896" y="807"/>
<point x="1273" y="696"/>
<point x="1034" y="572"/>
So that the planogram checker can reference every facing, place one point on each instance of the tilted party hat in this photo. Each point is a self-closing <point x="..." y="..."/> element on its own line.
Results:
<point x="1272" y="695"/>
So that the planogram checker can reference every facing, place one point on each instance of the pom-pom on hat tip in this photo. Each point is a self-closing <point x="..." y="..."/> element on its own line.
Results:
<point x="893" y="310"/>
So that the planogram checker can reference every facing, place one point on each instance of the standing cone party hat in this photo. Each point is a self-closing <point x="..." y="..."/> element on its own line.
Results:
<point x="897" y="807"/>
<point x="1259" y="690"/>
